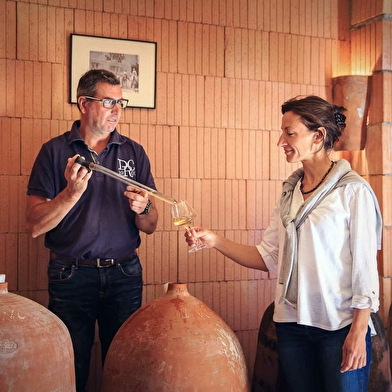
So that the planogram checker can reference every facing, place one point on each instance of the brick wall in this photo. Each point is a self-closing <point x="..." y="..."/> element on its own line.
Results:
<point x="224" y="67"/>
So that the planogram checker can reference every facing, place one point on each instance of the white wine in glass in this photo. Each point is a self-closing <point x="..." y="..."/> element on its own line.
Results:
<point x="185" y="222"/>
<point x="183" y="215"/>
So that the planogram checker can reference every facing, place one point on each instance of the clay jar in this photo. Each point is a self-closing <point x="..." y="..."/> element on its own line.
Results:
<point x="36" y="351"/>
<point x="353" y="93"/>
<point x="175" y="343"/>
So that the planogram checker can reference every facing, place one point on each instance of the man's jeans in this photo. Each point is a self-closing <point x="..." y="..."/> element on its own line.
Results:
<point x="310" y="359"/>
<point x="79" y="295"/>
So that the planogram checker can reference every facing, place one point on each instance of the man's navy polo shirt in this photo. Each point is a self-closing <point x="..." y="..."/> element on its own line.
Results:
<point x="101" y="224"/>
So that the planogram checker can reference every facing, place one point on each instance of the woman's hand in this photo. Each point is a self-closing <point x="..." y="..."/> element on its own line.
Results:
<point x="200" y="236"/>
<point x="245" y="255"/>
<point x="353" y="353"/>
<point x="354" y="347"/>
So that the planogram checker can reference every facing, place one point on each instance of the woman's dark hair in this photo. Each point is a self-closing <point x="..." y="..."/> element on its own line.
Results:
<point x="88" y="82"/>
<point x="316" y="112"/>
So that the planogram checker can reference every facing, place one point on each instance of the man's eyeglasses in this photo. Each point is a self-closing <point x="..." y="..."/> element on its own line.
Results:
<point x="110" y="103"/>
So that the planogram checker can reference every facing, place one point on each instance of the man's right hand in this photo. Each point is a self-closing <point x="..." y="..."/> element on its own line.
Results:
<point x="42" y="214"/>
<point x="77" y="177"/>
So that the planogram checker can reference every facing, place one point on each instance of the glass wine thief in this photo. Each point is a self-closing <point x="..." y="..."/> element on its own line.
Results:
<point x="126" y="180"/>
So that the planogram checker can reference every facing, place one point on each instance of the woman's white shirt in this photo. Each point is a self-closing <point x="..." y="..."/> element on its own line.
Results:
<point x="337" y="258"/>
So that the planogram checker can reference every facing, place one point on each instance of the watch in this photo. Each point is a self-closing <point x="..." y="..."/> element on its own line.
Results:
<point x="147" y="209"/>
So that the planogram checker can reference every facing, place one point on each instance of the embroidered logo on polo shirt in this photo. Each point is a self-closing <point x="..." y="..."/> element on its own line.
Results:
<point x="126" y="168"/>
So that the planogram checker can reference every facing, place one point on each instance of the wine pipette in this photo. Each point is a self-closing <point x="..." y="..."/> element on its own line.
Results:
<point x="125" y="180"/>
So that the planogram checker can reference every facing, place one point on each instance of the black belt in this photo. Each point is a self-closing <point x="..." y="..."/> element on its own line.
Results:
<point x="96" y="262"/>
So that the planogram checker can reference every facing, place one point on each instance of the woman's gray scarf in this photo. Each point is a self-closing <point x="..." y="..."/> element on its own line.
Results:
<point x="341" y="175"/>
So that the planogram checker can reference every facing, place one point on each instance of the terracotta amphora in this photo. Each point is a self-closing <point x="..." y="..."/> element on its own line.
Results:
<point x="175" y="343"/>
<point x="36" y="351"/>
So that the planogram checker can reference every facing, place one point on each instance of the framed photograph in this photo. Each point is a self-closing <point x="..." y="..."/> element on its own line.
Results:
<point x="134" y="63"/>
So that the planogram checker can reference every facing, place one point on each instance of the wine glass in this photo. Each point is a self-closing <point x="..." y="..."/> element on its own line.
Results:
<point x="183" y="215"/>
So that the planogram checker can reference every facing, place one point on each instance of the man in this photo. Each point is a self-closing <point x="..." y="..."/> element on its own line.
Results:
<point x="91" y="221"/>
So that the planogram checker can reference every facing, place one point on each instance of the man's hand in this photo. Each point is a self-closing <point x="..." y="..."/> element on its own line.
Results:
<point x="138" y="198"/>
<point x="77" y="177"/>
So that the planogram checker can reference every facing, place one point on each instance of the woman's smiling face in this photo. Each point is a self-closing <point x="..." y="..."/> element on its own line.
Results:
<point x="296" y="139"/>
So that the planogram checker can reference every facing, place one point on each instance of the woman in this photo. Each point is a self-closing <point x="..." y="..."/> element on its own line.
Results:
<point x="323" y="236"/>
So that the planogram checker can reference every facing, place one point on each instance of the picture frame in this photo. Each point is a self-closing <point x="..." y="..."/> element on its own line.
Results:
<point x="134" y="62"/>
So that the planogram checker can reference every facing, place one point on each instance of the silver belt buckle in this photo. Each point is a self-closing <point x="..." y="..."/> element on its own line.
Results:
<point x="104" y="266"/>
